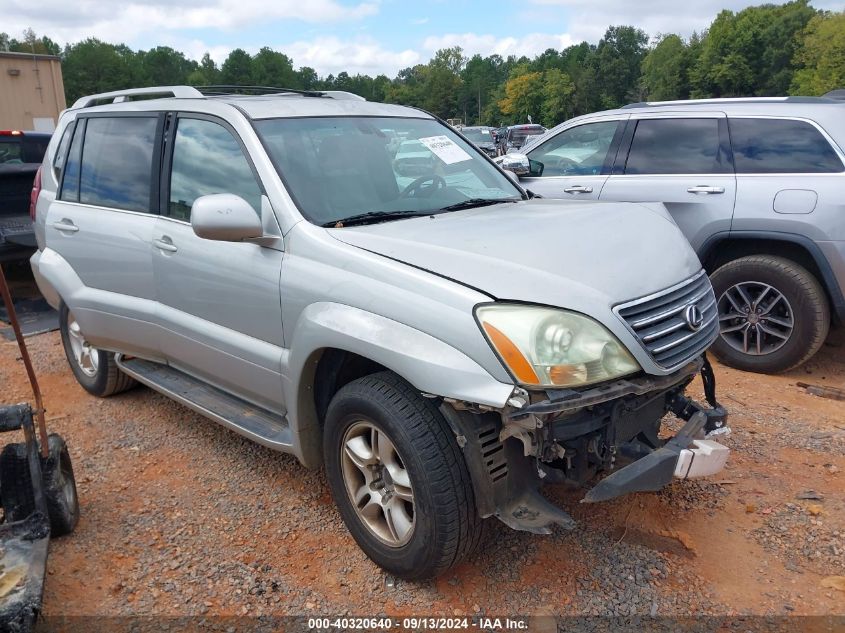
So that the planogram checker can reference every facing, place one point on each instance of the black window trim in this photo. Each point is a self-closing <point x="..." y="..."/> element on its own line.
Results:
<point x="774" y="117"/>
<point x="81" y="123"/>
<point x="166" y="172"/>
<point x="622" y="155"/>
<point x="75" y="127"/>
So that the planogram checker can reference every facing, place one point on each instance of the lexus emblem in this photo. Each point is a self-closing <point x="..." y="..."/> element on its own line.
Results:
<point x="693" y="317"/>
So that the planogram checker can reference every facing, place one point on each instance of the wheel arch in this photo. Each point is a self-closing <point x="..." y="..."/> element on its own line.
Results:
<point x="724" y="247"/>
<point x="333" y="344"/>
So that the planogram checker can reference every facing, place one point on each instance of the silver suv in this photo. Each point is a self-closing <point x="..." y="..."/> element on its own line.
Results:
<point x="756" y="185"/>
<point x="441" y="343"/>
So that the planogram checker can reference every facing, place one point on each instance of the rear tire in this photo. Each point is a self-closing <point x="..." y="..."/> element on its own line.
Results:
<point x="794" y="314"/>
<point x="415" y="514"/>
<point x="94" y="369"/>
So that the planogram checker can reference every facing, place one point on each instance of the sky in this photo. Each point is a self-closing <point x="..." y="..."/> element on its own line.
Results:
<point x="358" y="36"/>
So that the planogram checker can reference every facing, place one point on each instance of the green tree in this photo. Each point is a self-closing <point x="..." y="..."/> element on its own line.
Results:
<point x="92" y="66"/>
<point x="664" y="70"/>
<point x="272" y="68"/>
<point x="616" y="65"/>
<point x="237" y="69"/>
<point x="164" y="66"/>
<point x="821" y="57"/>
<point x="557" y="104"/>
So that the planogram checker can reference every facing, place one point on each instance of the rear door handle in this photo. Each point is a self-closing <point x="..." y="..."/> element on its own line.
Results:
<point x="165" y="244"/>
<point x="706" y="189"/>
<point x="66" y="226"/>
<point x="578" y="189"/>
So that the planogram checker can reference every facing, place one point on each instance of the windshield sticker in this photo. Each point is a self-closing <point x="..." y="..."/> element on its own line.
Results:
<point x="445" y="149"/>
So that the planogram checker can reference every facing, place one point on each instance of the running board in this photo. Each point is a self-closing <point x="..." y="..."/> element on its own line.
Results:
<point x="259" y="425"/>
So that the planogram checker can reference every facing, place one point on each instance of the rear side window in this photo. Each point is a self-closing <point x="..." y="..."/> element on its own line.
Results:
<point x="117" y="162"/>
<point x="70" y="181"/>
<point x="677" y="146"/>
<point x="781" y="146"/>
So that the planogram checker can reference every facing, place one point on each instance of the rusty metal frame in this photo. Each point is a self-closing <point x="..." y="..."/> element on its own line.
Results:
<point x="33" y="381"/>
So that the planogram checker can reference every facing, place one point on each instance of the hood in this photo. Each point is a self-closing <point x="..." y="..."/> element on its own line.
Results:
<point x="585" y="256"/>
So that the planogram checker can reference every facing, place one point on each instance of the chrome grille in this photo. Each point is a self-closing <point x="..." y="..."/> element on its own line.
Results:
<point x="660" y="321"/>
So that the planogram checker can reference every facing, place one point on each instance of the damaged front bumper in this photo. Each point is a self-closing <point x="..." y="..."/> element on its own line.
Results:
<point x="573" y="436"/>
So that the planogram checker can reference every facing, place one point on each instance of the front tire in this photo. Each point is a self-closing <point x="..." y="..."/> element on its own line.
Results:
<point x="773" y="314"/>
<point x="94" y="369"/>
<point x="398" y="477"/>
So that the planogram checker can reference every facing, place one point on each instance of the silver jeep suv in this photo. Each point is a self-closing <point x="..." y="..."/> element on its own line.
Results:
<point x="410" y="320"/>
<point x="756" y="185"/>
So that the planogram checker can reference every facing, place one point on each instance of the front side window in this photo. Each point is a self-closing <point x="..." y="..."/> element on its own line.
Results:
<point x="117" y="162"/>
<point x="781" y="146"/>
<point x="207" y="159"/>
<point x="578" y="151"/>
<point x="339" y="167"/>
<point x="677" y="146"/>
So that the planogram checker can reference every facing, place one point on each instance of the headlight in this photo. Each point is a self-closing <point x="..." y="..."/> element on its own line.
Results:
<point x="546" y="347"/>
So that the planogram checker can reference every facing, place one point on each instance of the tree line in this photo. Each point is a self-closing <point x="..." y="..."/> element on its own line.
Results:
<point x="766" y="50"/>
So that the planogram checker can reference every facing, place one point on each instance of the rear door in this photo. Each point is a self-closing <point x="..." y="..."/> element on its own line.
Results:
<point x="575" y="162"/>
<point x="219" y="302"/>
<point x="101" y="224"/>
<point x="682" y="160"/>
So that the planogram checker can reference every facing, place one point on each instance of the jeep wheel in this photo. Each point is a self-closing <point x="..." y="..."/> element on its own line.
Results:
<point x="773" y="314"/>
<point x="398" y="477"/>
<point x="94" y="369"/>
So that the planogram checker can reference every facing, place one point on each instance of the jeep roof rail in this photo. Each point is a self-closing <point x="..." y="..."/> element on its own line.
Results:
<point x="682" y="102"/>
<point x="119" y="96"/>
<point x="231" y="89"/>
<point x="838" y="94"/>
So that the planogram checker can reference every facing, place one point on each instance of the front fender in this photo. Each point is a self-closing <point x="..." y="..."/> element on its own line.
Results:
<point x="426" y="362"/>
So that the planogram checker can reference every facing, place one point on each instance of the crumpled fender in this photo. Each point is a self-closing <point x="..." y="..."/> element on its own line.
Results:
<point x="426" y="362"/>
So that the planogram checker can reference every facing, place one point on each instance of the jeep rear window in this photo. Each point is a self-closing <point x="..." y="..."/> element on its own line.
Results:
<point x="677" y="146"/>
<point x="117" y="162"/>
<point x="338" y="167"/>
<point x="781" y="146"/>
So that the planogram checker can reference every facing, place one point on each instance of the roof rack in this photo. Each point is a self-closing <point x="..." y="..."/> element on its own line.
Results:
<point x="220" y="90"/>
<point x="839" y="94"/>
<point x="200" y="92"/>
<point x="119" y="96"/>
<point x="649" y="104"/>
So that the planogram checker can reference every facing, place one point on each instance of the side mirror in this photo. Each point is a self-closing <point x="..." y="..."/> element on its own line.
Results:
<point x="225" y="217"/>
<point x="516" y="163"/>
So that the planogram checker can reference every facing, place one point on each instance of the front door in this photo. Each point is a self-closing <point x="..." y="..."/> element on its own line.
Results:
<point x="219" y="302"/>
<point x="574" y="163"/>
<point x="683" y="161"/>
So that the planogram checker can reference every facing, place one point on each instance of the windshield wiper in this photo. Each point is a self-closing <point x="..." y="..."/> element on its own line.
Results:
<point x="373" y="216"/>
<point x="475" y="202"/>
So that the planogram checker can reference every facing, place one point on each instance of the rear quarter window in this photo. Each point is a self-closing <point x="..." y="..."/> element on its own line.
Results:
<point x="781" y="146"/>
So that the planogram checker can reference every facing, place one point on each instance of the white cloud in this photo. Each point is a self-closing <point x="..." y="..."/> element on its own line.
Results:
<point x="365" y="55"/>
<point x="472" y="43"/>
<point x="420" y="21"/>
<point x="125" y="21"/>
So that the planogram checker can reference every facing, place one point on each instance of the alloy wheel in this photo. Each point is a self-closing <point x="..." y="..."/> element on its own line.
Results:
<point x="86" y="356"/>
<point x="378" y="483"/>
<point x="755" y="318"/>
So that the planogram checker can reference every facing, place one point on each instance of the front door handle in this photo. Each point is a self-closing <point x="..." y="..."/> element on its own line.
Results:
<point x="165" y="244"/>
<point x="578" y="189"/>
<point x="706" y="189"/>
<point x="66" y="226"/>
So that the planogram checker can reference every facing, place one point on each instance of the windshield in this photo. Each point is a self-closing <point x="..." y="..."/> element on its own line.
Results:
<point x="518" y="137"/>
<point x="478" y="135"/>
<point x="340" y="167"/>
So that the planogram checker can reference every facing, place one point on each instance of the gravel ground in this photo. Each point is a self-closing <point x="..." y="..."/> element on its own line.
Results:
<point x="181" y="517"/>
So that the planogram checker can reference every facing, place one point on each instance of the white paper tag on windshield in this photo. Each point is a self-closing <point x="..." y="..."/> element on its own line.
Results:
<point x="445" y="149"/>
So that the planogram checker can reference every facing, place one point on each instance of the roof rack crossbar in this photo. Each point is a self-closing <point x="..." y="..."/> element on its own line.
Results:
<point x="118" y="96"/>
<point x="219" y="90"/>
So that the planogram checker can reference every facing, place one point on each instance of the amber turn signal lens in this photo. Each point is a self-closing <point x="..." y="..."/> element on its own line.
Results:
<point x="567" y="374"/>
<point x="513" y="358"/>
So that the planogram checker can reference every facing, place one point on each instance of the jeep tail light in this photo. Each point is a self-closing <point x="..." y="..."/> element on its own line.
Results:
<point x="33" y="196"/>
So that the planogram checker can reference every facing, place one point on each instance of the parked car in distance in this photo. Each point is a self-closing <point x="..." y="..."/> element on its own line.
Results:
<point x="439" y="341"/>
<point x="756" y="185"/>
<point x="21" y="154"/>
<point x="482" y="137"/>
<point x="515" y="136"/>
